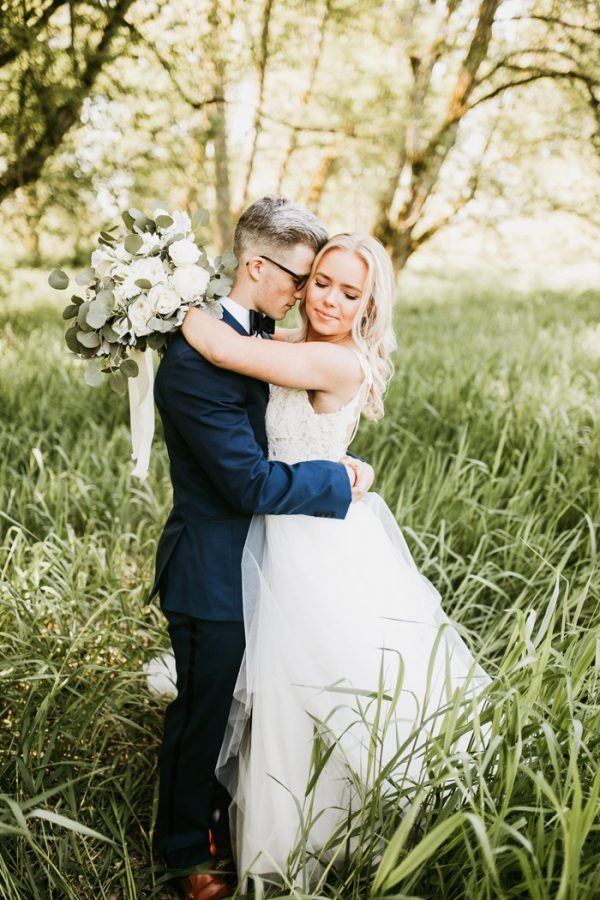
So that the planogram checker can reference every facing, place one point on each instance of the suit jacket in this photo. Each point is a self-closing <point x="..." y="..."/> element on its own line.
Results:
<point x="214" y="428"/>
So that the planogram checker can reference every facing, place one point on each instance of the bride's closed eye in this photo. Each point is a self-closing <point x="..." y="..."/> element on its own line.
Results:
<point x="348" y="296"/>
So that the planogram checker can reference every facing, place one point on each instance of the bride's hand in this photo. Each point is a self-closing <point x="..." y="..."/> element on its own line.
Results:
<point x="365" y="475"/>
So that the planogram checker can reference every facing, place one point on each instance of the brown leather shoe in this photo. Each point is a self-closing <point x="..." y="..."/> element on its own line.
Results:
<point x="205" y="887"/>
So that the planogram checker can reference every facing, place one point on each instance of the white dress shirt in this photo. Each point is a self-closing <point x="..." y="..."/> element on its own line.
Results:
<point x="239" y="312"/>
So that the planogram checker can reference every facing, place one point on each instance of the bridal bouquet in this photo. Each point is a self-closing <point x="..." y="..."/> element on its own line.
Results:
<point x="137" y="290"/>
<point x="142" y="279"/>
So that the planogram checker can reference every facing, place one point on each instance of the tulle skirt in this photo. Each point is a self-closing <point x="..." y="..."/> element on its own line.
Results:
<point x="350" y="666"/>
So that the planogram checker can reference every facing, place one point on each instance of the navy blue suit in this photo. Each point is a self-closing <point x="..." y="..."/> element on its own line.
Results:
<point x="214" y="427"/>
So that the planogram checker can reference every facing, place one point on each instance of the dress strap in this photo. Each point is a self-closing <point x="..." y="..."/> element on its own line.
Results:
<point x="364" y="366"/>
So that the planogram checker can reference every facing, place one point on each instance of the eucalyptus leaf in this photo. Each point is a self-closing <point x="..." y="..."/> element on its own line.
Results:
<point x="145" y="224"/>
<point x="82" y="314"/>
<point x="128" y="220"/>
<point x="159" y="325"/>
<point x="109" y="334"/>
<point x="133" y="242"/>
<point x="76" y="300"/>
<point x="109" y="238"/>
<point x="85" y="276"/>
<point x="89" y="339"/>
<point x="93" y="374"/>
<point x="129" y="368"/>
<point x="70" y="311"/>
<point x="58" y="280"/>
<point x="118" y="382"/>
<point x="222" y="287"/>
<point x="164" y="221"/>
<point x="144" y="284"/>
<point x="135" y="213"/>
<point x="156" y="341"/>
<point x="96" y="315"/>
<point x="71" y="340"/>
<point x="106" y="299"/>
<point x="229" y="260"/>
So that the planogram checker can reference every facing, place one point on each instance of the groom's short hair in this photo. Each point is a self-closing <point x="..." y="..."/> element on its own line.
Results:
<point x="276" y="223"/>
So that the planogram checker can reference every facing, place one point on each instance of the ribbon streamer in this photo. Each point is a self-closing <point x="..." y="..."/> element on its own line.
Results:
<point x="141" y="411"/>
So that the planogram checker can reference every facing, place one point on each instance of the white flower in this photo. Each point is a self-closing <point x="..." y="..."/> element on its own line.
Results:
<point x="164" y="299"/>
<point x="184" y="252"/>
<point x="190" y="282"/>
<point x="150" y="242"/>
<point x="128" y="290"/>
<point x="120" y="326"/>
<point x="182" y="224"/>
<point x="140" y="312"/>
<point x="151" y="269"/>
<point x="102" y="262"/>
<point x="120" y="253"/>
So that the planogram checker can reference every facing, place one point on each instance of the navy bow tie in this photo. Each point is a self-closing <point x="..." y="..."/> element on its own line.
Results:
<point x="259" y="323"/>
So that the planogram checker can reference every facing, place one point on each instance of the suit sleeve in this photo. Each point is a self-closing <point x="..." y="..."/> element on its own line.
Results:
<point x="207" y="406"/>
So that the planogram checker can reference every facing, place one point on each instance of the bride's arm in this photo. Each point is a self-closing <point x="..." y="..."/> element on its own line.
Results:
<point x="283" y="334"/>
<point x="313" y="366"/>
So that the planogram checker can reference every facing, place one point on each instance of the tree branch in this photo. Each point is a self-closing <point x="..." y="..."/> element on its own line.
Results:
<point x="573" y="75"/>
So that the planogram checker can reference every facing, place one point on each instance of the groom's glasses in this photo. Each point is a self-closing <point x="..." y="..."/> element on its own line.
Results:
<point x="299" y="280"/>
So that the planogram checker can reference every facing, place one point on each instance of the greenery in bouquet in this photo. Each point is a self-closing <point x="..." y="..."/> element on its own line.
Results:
<point x="143" y="277"/>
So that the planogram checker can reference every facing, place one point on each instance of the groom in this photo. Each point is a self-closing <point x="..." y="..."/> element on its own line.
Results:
<point x="214" y="427"/>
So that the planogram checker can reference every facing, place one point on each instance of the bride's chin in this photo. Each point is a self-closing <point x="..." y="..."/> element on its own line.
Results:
<point x="321" y="327"/>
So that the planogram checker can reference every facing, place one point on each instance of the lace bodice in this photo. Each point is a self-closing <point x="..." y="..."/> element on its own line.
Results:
<point x="296" y="432"/>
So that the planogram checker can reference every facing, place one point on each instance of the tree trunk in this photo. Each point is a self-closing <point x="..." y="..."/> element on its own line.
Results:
<point x="424" y="163"/>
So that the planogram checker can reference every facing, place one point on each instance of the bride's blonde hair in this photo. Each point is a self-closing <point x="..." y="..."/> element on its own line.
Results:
<point x="372" y="329"/>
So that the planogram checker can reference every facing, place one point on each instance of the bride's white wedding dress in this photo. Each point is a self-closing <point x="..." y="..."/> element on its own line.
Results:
<point x="334" y="611"/>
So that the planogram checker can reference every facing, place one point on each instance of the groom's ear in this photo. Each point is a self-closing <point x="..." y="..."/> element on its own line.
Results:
<point x="254" y="266"/>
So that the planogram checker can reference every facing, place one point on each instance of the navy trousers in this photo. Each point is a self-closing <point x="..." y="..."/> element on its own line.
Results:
<point x="208" y="655"/>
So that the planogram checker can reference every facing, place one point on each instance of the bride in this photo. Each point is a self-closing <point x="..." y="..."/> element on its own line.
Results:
<point x="350" y="660"/>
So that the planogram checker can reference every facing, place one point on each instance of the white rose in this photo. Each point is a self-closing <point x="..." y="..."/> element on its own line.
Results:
<point x="164" y="299"/>
<point x="140" y="312"/>
<point x="151" y="269"/>
<point x="190" y="282"/>
<point x="184" y="252"/>
<point x="102" y="262"/>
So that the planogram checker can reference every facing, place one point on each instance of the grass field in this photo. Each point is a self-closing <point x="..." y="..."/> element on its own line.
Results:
<point x="488" y="456"/>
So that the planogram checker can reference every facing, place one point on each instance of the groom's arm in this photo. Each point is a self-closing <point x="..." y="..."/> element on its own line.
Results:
<point x="207" y="406"/>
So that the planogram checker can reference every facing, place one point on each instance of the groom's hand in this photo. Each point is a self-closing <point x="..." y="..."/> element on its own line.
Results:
<point x="365" y="475"/>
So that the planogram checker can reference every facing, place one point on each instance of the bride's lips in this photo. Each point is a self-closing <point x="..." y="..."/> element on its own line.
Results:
<point x="326" y="316"/>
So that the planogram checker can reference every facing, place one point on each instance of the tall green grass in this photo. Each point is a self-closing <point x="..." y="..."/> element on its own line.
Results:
<point x="488" y="456"/>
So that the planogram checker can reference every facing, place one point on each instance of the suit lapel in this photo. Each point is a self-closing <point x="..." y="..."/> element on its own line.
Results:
<point x="231" y="320"/>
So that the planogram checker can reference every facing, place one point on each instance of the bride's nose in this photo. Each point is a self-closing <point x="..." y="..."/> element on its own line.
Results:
<point x="329" y="298"/>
